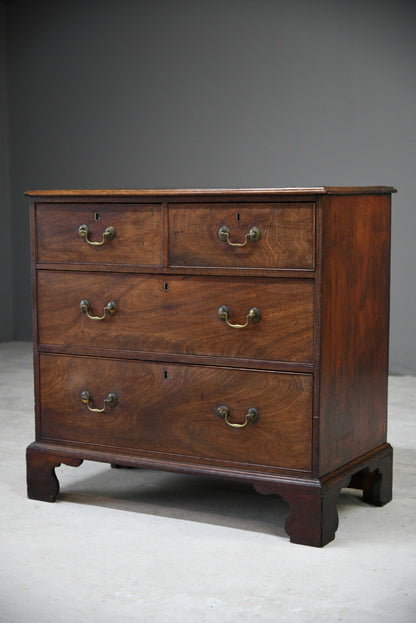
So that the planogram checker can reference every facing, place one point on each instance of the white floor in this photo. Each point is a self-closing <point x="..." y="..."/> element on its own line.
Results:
<point x="135" y="545"/>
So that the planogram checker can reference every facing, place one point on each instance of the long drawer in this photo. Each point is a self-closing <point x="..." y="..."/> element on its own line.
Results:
<point x="111" y="233"/>
<point x="180" y="410"/>
<point x="178" y="314"/>
<point x="243" y="235"/>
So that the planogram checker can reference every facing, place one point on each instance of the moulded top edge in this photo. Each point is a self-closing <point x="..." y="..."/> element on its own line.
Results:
<point x="331" y="190"/>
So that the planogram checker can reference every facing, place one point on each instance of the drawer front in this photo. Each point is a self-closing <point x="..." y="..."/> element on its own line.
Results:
<point x="178" y="314"/>
<point x="136" y="228"/>
<point x="286" y="235"/>
<point x="172" y="410"/>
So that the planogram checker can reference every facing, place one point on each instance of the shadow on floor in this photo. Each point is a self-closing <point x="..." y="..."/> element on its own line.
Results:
<point x="215" y="501"/>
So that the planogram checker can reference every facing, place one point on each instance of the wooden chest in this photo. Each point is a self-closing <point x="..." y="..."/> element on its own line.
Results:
<point x="237" y="333"/>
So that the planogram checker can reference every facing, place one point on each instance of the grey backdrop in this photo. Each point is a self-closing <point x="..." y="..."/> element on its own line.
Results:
<point x="177" y="93"/>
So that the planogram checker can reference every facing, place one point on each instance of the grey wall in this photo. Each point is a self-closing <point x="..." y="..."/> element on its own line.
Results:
<point x="170" y="93"/>
<point x="6" y="277"/>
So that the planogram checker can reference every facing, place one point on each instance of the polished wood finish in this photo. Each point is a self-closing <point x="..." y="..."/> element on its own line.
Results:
<point x="287" y="235"/>
<point x="178" y="314"/>
<point x="42" y="483"/>
<point x="314" y="366"/>
<point x="137" y="239"/>
<point x="354" y="327"/>
<point x="171" y="409"/>
<point x="313" y="517"/>
<point x="218" y="192"/>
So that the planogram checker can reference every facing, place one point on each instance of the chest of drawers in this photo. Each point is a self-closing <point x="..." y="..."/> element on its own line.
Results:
<point x="236" y="333"/>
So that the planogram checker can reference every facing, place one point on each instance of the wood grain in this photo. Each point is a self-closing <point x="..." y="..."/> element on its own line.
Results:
<point x="354" y="328"/>
<point x="137" y="240"/>
<point x="178" y="314"/>
<point x="211" y="191"/>
<point x="42" y="483"/>
<point x="172" y="409"/>
<point x="315" y="366"/>
<point x="287" y="235"/>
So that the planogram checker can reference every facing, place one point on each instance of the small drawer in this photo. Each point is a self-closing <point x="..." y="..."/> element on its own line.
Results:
<point x="280" y="236"/>
<point x="178" y="314"/>
<point x="149" y="408"/>
<point x="111" y="234"/>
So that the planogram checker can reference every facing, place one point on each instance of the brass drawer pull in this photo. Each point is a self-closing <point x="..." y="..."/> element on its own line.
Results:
<point x="252" y="415"/>
<point x="111" y="308"/>
<point x="108" y="234"/>
<point x="111" y="400"/>
<point x="253" y="315"/>
<point x="224" y="235"/>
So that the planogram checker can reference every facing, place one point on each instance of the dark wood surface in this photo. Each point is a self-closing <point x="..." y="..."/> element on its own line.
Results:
<point x="178" y="314"/>
<point x="137" y="233"/>
<point x="194" y="192"/>
<point x="354" y="328"/>
<point x="171" y="409"/>
<point x="42" y="483"/>
<point x="287" y="235"/>
<point x="315" y="366"/>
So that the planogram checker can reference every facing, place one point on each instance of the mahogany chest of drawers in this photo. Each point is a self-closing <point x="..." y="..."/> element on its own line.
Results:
<point x="237" y="333"/>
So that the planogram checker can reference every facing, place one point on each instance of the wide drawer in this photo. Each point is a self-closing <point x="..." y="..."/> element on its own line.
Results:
<point x="178" y="314"/>
<point x="135" y="239"/>
<point x="280" y="236"/>
<point x="172" y="410"/>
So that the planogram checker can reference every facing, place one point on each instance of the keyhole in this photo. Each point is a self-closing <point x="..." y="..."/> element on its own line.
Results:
<point x="165" y="286"/>
<point x="238" y="216"/>
<point x="96" y="216"/>
<point x="166" y="374"/>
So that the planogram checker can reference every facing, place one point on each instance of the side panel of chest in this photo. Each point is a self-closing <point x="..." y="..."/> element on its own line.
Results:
<point x="355" y="287"/>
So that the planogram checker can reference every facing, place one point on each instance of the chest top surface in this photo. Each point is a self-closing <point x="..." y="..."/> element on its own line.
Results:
<point x="319" y="190"/>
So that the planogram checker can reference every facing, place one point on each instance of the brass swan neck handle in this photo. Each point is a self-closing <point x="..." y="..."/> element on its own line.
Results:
<point x="224" y="235"/>
<point x="108" y="234"/>
<point x="252" y="415"/>
<point x="224" y="314"/>
<point x="110" y="308"/>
